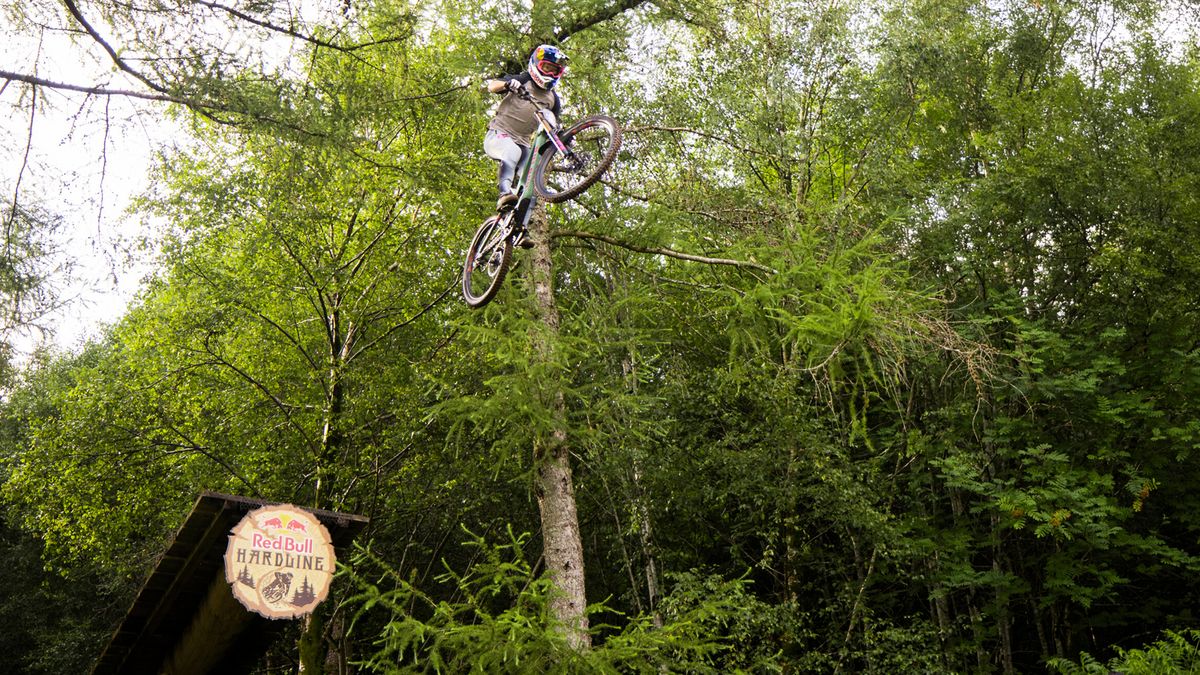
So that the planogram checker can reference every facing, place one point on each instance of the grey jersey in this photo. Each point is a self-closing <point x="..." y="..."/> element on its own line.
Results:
<point x="516" y="116"/>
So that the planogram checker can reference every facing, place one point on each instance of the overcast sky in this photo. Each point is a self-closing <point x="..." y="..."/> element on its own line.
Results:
<point x="87" y="157"/>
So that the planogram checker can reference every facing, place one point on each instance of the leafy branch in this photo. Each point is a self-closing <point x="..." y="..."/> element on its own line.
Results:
<point x="660" y="250"/>
<point x="205" y="107"/>
<point x="583" y="23"/>
<point x="292" y="32"/>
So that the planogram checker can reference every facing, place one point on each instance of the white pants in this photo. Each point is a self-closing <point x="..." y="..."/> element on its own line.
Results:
<point x="502" y="148"/>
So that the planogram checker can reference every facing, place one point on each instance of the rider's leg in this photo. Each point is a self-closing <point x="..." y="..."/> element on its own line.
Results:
<point x="501" y="147"/>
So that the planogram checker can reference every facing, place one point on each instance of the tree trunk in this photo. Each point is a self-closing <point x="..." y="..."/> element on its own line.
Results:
<point x="337" y="656"/>
<point x="335" y="399"/>
<point x="312" y="653"/>
<point x="552" y="456"/>
<point x="645" y="529"/>
<point x="791" y="556"/>
<point x="649" y="549"/>
<point x="1004" y="624"/>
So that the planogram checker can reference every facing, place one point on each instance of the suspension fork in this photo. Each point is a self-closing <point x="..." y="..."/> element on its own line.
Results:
<point x="549" y="129"/>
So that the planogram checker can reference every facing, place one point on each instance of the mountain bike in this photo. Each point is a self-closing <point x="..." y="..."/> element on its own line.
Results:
<point x="561" y="165"/>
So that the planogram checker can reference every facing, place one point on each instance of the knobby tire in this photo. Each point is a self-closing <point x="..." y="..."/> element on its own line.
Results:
<point x="487" y="262"/>
<point x="548" y="193"/>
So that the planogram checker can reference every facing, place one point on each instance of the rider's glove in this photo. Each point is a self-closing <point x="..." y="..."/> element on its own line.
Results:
<point x="513" y="85"/>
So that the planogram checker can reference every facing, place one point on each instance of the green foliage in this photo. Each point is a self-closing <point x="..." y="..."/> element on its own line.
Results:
<point x="1176" y="652"/>
<point x="39" y="607"/>
<point x="499" y="622"/>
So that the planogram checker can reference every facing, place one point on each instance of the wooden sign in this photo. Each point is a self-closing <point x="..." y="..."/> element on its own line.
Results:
<point x="279" y="562"/>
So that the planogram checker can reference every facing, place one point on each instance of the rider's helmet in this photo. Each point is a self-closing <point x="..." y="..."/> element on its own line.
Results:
<point x="547" y="63"/>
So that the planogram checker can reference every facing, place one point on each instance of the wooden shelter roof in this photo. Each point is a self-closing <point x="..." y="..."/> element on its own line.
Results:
<point x="173" y="598"/>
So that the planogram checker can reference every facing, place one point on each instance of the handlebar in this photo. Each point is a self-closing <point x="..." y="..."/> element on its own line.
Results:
<point x="524" y="94"/>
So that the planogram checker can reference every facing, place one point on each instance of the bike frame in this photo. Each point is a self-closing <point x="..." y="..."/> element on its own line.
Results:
<point x="522" y="211"/>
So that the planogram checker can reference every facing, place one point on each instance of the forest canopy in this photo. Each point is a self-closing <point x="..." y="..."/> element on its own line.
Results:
<point x="875" y="351"/>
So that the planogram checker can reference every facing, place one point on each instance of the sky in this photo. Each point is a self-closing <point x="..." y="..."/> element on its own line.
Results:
<point x="89" y="156"/>
<point x="87" y="170"/>
<point x="84" y="161"/>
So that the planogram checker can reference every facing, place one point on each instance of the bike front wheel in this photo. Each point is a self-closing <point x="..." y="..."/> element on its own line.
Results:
<point x="592" y="143"/>
<point x="486" y="263"/>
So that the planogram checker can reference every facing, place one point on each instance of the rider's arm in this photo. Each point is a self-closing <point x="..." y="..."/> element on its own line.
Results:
<point x="501" y="84"/>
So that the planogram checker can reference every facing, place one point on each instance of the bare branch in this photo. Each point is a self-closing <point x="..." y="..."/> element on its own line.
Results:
<point x="410" y="320"/>
<point x="12" y="214"/>
<point x="254" y="382"/>
<point x="438" y="94"/>
<point x="581" y="24"/>
<point x="191" y="445"/>
<point x="202" y="107"/>
<point x="112" y="53"/>
<point x="9" y="76"/>
<point x="234" y="299"/>
<point x="656" y="250"/>
<point x="584" y="23"/>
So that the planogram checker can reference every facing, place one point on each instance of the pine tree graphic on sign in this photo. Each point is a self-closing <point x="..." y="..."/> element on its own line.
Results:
<point x="245" y="577"/>
<point x="304" y="594"/>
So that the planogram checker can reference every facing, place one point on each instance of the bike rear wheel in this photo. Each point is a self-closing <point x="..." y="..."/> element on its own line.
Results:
<point x="486" y="263"/>
<point x="593" y="142"/>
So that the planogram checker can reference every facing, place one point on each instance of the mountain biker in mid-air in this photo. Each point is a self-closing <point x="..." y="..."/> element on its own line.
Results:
<point x="509" y="131"/>
<point x="569" y="160"/>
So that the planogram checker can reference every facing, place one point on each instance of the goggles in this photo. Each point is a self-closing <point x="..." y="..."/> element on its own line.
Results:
<point x="550" y="68"/>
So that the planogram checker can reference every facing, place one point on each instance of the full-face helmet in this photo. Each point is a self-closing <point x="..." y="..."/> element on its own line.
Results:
<point x="547" y="64"/>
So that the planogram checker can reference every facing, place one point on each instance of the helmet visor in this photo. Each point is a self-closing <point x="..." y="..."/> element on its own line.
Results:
<point x="550" y="68"/>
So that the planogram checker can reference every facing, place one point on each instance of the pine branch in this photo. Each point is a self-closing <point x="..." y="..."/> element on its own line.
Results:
<point x="292" y="32"/>
<point x="670" y="253"/>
